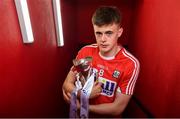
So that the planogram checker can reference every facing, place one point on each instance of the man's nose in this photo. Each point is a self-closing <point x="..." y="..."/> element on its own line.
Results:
<point x="103" y="38"/>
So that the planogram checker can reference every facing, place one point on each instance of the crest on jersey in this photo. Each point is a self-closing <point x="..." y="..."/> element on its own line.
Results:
<point x="116" y="74"/>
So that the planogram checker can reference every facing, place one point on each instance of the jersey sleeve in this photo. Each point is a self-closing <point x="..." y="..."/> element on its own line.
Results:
<point x="84" y="52"/>
<point x="129" y="77"/>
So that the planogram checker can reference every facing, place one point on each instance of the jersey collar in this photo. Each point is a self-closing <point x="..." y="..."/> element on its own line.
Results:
<point x="109" y="58"/>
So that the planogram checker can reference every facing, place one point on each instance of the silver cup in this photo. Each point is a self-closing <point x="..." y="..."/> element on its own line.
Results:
<point x="83" y="67"/>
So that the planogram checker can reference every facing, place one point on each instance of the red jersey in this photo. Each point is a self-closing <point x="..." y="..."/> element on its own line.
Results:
<point x="118" y="73"/>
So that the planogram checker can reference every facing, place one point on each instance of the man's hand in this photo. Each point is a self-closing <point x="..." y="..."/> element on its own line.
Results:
<point x="66" y="95"/>
<point x="68" y="85"/>
<point x="96" y="90"/>
<point x="114" y="108"/>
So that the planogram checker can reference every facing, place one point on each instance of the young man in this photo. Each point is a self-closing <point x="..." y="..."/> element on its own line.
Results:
<point x="117" y="68"/>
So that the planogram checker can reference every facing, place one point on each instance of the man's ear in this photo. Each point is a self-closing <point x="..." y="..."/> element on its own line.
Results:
<point x="120" y="31"/>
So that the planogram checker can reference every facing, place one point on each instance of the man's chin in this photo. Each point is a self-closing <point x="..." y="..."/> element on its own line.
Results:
<point x="103" y="51"/>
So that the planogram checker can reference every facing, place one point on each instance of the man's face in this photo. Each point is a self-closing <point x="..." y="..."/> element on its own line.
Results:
<point x="107" y="38"/>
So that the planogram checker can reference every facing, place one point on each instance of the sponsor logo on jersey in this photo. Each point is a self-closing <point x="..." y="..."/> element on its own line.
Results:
<point x="108" y="86"/>
<point x="116" y="74"/>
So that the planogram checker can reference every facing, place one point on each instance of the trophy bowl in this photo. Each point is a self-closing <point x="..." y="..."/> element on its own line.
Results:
<point x="83" y="67"/>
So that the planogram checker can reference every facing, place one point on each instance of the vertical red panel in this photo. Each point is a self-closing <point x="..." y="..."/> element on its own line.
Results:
<point x="31" y="75"/>
<point x="155" y="40"/>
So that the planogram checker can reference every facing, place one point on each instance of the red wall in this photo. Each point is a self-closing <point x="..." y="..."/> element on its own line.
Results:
<point x="155" y="40"/>
<point x="31" y="75"/>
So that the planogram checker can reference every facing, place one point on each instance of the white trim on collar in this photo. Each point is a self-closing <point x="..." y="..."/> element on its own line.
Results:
<point x="112" y="57"/>
<point x="106" y="58"/>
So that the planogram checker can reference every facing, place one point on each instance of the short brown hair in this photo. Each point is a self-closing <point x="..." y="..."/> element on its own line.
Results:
<point x="105" y="15"/>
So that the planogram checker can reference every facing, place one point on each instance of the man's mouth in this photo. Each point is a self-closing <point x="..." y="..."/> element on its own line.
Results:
<point x="103" y="45"/>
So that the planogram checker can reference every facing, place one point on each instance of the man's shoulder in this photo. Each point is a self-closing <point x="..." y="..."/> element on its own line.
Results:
<point x="90" y="47"/>
<point x="128" y="55"/>
<point x="130" y="58"/>
<point x="88" y="50"/>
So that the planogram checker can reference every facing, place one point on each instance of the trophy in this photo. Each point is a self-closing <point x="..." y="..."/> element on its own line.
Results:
<point x="84" y="82"/>
<point x="83" y="67"/>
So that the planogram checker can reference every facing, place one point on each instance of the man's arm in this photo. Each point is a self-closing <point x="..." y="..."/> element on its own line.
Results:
<point x="68" y="85"/>
<point x="115" y="108"/>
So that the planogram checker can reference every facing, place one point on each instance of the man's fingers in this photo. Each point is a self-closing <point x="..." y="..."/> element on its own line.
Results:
<point x="66" y="96"/>
<point x="96" y="82"/>
<point x="100" y="83"/>
<point x="69" y="95"/>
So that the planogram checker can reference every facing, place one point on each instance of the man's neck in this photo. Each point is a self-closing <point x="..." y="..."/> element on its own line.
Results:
<point x="112" y="53"/>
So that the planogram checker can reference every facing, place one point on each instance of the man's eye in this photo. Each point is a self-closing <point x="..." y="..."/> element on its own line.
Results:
<point x="109" y="33"/>
<point x="98" y="33"/>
